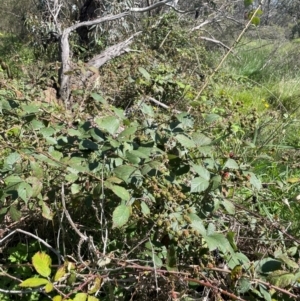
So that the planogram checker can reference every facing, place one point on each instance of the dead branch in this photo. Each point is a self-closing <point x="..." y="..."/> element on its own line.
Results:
<point x="65" y="70"/>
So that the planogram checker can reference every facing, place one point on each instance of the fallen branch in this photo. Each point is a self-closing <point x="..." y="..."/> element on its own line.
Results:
<point x="66" y="68"/>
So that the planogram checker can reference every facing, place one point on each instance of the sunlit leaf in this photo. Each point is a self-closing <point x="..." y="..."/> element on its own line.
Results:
<point x="110" y="124"/>
<point x="121" y="215"/>
<point x="33" y="282"/>
<point x="42" y="263"/>
<point x="199" y="184"/>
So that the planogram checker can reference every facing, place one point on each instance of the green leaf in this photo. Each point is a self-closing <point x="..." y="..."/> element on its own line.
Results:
<point x="15" y="213"/>
<point x="98" y="98"/>
<point x="210" y="118"/>
<point x="110" y="124"/>
<point x="75" y="188"/>
<point x="121" y="215"/>
<point x="230" y="236"/>
<point x="71" y="177"/>
<point x="121" y="192"/>
<point x="199" y="184"/>
<point x="290" y="263"/>
<point x="232" y="164"/>
<point x="200" y="139"/>
<point x="80" y="297"/>
<point x="30" y="108"/>
<point x="281" y="279"/>
<point x="210" y="229"/>
<point x="237" y="258"/>
<point x="147" y="110"/>
<point x="186" y="119"/>
<point x="254" y="181"/>
<point x="201" y="171"/>
<point x="24" y="191"/>
<point x="198" y="225"/>
<point x="265" y="292"/>
<point x="37" y="170"/>
<point x="42" y="263"/>
<point x="217" y="240"/>
<point x="33" y="282"/>
<point x="125" y="172"/>
<point x="128" y="132"/>
<point x="12" y="159"/>
<point x="145" y="73"/>
<point x="36" y="186"/>
<point x="145" y="209"/>
<point x="243" y="285"/>
<point x="185" y="141"/>
<point x="229" y="206"/>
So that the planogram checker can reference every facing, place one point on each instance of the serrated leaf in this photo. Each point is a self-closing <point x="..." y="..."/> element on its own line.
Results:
<point x="30" y="108"/>
<point x="217" y="241"/>
<point x="210" y="118"/>
<point x="198" y="225"/>
<point x="12" y="159"/>
<point x="37" y="170"/>
<point x="199" y="184"/>
<point x="281" y="279"/>
<point x="75" y="188"/>
<point x="243" y="285"/>
<point x="147" y="110"/>
<point x="232" y="164"/>
<point x="185" y="119"/>
<point x="200" y="139"/>
<point x="15" y="213"/>
<point x="36" y="185"/>
<point x="145" y="209"/>
<point x="125" y="172"/>
<point x="42" y="263"/>
<point x="201" y="171"/>
<point x="254" y="181"/>
<point x="33" y="282"/>
<point x="24" y="191"/>
<point x="145" y="73"/>
<point x="290" y="263"/>
<point x="80" y="297"/>
<point x="236" y="259"/>
<point x="71" y="177"/>
<point x="129" y="131"/>
<point x="210" y="229"/>
<point x="121" y="192"/>
<point x="185" y="141"/>
<point x="61" y="272"/>
<point x="265" y="292"/>
<point x="229" y="206"/>
<point x="48" y="287"/>
<point x="121" y="216"/>
<point x="110" y="124"/>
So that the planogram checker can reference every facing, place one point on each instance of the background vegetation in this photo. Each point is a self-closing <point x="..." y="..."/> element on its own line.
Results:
<point x="170" y="176"/>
